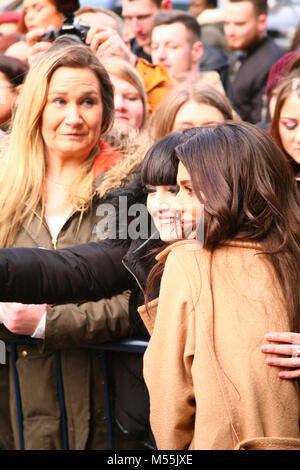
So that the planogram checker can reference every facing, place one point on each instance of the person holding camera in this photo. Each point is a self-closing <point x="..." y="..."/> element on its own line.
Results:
<point x="106" y="39"/>
<point x="36" y="14"/>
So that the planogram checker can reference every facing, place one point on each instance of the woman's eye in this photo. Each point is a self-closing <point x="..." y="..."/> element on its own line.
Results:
<point x="290" y="125"/>
<point x="189" y="190"/>
<point x="88" y="101"/>
<point x="174" y="189"/>
<point x="59" y="101"/>
<point x="149" y="190"/>
<point x="131" y="97"/>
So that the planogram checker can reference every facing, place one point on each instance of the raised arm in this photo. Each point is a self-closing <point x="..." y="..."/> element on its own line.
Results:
<point x="85" y="272"/>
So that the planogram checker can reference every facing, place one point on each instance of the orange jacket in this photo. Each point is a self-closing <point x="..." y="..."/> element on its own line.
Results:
<point x="156" y="80"/>
<point x="106" y="158"/>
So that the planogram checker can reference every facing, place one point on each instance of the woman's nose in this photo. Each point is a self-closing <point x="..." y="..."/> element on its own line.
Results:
<point x="297" y="135"/>
<point x="73" y="116"/>
<point x="119" y="102"/>
<point x="178" y="202"/>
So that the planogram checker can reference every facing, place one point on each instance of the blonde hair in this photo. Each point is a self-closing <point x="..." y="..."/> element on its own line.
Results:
<point x="162" y="121"/>
<point x="121" y="68"/>
<point x="24" y="156"/>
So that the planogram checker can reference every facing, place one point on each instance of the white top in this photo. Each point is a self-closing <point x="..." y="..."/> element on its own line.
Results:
<point x="55" y="224"/>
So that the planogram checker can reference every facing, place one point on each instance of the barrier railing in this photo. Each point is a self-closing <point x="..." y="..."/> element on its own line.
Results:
<point x="127" y="345"/>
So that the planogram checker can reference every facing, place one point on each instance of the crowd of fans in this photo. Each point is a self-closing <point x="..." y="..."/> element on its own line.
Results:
<point x="193" y="119"/>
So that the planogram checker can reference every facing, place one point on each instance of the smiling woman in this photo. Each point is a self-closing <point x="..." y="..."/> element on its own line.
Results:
<point x="208" y="384"/>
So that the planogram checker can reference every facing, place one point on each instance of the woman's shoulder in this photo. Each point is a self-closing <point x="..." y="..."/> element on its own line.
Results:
<point x="184" y="260"/>
<point x="190" y="254"/>
<point x="179" y="247"/>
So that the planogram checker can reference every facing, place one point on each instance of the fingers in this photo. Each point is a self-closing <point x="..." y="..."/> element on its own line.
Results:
<point x="290" y="349"/>
<point x="34" y="36"/>
<point x="292" y="362"/>
<point x="286" y="337"/>
<point x="289" y="374"/>
<point x="283" y="349"/>
<point x="97" y="35"/>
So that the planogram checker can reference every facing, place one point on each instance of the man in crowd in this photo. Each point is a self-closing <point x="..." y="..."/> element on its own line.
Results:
<point x="245" y="31"/>
<point x="138" y="16"/>
<point x="175" y="42"/>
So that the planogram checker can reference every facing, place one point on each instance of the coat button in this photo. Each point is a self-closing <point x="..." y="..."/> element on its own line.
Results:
<point x="24" y="354"/>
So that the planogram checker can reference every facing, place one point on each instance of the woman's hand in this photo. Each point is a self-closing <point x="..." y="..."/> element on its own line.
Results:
<point x="21" y="319"/>
<point x="287" y="345"/>
<point x="37" y="47"/>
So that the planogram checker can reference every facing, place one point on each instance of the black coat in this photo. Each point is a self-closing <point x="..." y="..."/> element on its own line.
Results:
<point x="249" y="81"/>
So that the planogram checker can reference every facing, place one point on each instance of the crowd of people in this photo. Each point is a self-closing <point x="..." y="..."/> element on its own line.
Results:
<point x="150" y="188"/>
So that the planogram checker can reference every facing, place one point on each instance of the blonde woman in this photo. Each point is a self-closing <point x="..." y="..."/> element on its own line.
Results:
<point x="50" y="172"/>
<point x="130" y="97"/>
<point x="190" y="104"/>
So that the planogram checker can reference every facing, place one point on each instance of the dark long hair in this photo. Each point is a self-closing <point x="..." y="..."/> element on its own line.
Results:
<point x="286" y="87"/>
<point x="250" y="196"/>
<point x="158" y="167"/>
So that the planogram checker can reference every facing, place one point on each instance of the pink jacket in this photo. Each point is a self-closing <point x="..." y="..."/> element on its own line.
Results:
<point x="208" y="382"/>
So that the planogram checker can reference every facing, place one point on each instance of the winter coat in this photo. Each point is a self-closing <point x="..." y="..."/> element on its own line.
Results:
<point x="208" y="382"/>
<point x="248" y="83"/>
<point x="68" y="327"/>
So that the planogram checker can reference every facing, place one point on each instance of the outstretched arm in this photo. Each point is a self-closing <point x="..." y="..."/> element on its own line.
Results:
<point x="84" y="272"/>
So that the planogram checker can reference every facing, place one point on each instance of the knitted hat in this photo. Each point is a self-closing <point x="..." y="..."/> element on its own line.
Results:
<point x="279" y="70"/>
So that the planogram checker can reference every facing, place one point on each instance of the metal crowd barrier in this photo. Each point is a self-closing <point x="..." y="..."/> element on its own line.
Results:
<point x="127" y="345"/>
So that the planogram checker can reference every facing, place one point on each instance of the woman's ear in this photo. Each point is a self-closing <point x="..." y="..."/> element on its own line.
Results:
<point x="17" y="91"/>
<point x="19" y="88"/>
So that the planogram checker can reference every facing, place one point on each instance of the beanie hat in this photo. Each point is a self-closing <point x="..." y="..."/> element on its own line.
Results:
<point x="279" y="70"/>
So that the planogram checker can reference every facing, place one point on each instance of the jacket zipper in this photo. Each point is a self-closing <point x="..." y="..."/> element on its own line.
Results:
<point x="137" y="281"/>
<point x="54" y="240"/>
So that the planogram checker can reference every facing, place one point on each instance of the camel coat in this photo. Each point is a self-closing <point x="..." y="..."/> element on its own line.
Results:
<point x="208" y="382"/>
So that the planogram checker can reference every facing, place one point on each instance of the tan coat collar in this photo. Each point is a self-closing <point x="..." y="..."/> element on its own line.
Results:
<point x="193" y="244"/>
